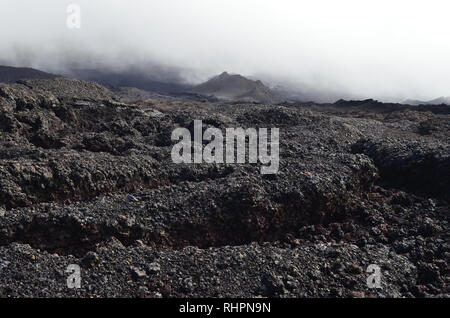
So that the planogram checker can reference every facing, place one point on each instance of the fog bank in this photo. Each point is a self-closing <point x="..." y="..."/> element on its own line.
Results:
<point x="388" y="50"/>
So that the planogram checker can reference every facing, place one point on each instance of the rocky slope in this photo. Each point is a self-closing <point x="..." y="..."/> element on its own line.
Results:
<point x="234" y="87"/>
<point x="86" y="178"/>
<point x="9" y="74"/>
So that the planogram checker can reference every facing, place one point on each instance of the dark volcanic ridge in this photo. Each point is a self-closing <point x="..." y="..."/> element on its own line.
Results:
<point x="223" y="87"/>
<point x="134" y="84"/>
<point x="86" y="178"/>
<point x="168" y="84"/>
<point x="235" y="87"/>
<point x="9" y="74"/>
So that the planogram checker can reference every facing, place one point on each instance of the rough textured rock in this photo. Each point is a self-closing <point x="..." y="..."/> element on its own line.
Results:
<point x="86" y="178"/>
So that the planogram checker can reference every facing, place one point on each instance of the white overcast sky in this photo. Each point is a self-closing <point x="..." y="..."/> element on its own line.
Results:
<point x="389" y="50"/>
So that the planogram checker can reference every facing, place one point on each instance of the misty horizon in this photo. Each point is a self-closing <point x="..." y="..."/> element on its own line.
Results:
<point x="323" y="50"/>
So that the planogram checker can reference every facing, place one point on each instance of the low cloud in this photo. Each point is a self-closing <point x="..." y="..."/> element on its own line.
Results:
<point x="389" y="50"/>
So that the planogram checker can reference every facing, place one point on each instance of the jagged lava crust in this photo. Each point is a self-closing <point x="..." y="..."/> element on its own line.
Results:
<point x="87" y="178"/>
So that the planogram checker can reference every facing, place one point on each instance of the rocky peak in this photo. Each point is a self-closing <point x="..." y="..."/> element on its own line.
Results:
<point x="236" y="87"/>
